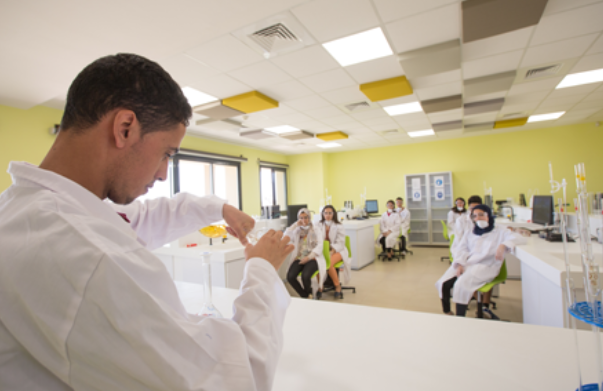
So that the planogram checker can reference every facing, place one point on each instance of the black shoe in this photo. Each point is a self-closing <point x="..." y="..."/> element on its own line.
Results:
<point x="338" y="295"/>
<point x="318" y="295"/>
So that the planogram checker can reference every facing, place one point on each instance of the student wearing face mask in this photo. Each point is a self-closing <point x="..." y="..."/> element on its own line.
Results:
<point x="404" y="222"/>
<point x="478" y="260"/>
<point x="390" y="229"/>
<point x="308" y="254"/>
<point x="464" y="224"/>
<point x="457" y="211"/>
<point x="333" y="232"/>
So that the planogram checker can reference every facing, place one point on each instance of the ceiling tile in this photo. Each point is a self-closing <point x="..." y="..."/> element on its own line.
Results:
<point x="589" y="105"/>
<point x="306" y="62"/>
<point x="286" y="91"/>
<point x="344" y="95"/>
<point x="553" y="108"/>
<point x="338" y="120"/>
<point x="442" y="104"/>
<point x="478" y="119"/>
<point x="414" y="119"/>
<point x="486" y="106"/>
<point x="399" y="101"/>
<point x="186" y="70"/>
<point x="446" y="116"/>
<point x="328" y="81"/>
<point x="556" y="6"/>
<point x="282" y="109"/>
<point x="588" y="63"/>
<point x="308" y="103"/>
<point x="596" y="96"/>
<point x="379" y="121"/>
<point x="429" y="28"/>
<point x="221" y="86"/>
<point x="391" y="10"/>
<point x="439" y="91"/>
<point x="532" y="86"/>
<point x="479" y="86"/>
<point x="326" y="112"/>
<point x="314" y="126"/>
<point x="431" y="60"/>
<point x="225" y="53"/>
<point x="481" y="97"/>
<point x="566" y="100"/>
<point x="434" y="80"/>
<point x="332" y="19"/>
<point x="291" y="119"/>
<point x="385" y="126"/>
<point x="497" y="44"/>
<point x="525" y="108"/>
<point x="577" y="90"/>
<point x="597" y="46"/>
<point x="379" y="69"/>
<point x="413" y="127"/>
<point x="368" y="114"/>
<point x="537" y="96"/>
<point x="490" y="65"/>
<point x="556" y="51"/>
<point x="569" y="24"/>
<point x="261" y="74"/>
<point x="447" y="126"/>
<point x="369" y="137"/>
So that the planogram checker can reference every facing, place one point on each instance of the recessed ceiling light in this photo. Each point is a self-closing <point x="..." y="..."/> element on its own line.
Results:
<point x="577" y="79"/>
<point x="405" y="108"/>
<point x="545" y="117"/>
<point x="360" y="47"/>
<point x="282" y="129"/>
<point x="329" y="145"/>
<point x="421" y="133"/>
<point x="196" y="97"/>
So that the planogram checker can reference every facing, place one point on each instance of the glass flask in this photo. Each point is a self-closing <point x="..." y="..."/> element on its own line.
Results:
<point x="208" y="306"/>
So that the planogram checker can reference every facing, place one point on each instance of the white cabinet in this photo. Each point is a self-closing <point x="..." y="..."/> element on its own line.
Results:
<point x="429" y="197"/>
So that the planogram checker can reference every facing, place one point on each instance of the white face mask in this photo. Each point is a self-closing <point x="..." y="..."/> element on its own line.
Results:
<point x="305" y="227"/>
<point x="459" y="208"/>
<point x="390" y="210"/>
<point x="329" y="222"/>
<point x="482" y="224"/>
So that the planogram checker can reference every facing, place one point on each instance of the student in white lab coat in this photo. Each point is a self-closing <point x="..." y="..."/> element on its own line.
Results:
<point x="84" y="304"/>
<point x="464" y="224"/>
<point x="478" y="261"/>
<point x="457" y="211"/>
<point x="332" y="230"/>
<point x="404" y="222"/>
<point x="390" y="229"/>
<point x="308" y="257"/>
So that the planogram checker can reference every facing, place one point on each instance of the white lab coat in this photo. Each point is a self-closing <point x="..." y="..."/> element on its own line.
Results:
<point x="390" y="223"/>
<point x="451" y="221"/>
<point x="337" y="238"/>
<point x="85" y="305"/>
<point x="404" y="221"/>
<point x="477" y="256"/>
<point x="463" y="225"/>
<point x="294" y="232"/>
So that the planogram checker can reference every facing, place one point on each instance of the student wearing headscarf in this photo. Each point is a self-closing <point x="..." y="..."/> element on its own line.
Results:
<point x="457" y="211"/>
<point x="478" y="260"/>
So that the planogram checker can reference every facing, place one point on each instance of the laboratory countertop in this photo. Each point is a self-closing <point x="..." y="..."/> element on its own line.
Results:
<point x="221" y="252"/>
<point x="372" y="348"/>
<point x="359" y="224"/>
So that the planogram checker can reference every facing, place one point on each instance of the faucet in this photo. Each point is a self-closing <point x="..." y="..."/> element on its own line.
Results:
<point x="512" y="212"/>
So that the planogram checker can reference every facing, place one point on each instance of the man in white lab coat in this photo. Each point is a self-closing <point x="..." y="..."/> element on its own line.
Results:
<point x="84" y="304"/>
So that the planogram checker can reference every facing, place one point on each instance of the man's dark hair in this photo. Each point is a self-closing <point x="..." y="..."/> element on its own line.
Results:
<point x="392" y="201"/>
<point x="400" y="198"/>
<point x="475" y="199"/>
<point x="125" y="81"/>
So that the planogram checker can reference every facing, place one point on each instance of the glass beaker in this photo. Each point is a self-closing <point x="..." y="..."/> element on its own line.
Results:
<point x="208" y="305"/>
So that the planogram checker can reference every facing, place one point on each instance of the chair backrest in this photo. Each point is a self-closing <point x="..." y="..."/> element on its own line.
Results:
<point x="326" y="253"/>
<point x="444" y="229"/>
<point x="502" y="275"/>
<point x="347" y="245"/>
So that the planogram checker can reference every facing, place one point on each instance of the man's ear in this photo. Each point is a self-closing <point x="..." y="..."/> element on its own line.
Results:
<point x="126" y="128"/>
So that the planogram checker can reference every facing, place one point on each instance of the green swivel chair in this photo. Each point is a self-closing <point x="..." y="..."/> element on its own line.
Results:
<point x="450" y="239"/>
<point x="338" y="265"/>
<point x="500" y="279"/>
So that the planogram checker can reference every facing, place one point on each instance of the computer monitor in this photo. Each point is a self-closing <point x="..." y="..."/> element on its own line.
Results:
<point x="292" y="211"/>
<point x="371" y="206"/>
<point x="542" y="210"/>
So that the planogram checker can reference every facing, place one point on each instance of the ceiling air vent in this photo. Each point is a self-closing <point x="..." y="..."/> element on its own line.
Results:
<point x="275" y="38"/>
<point x="543" y="71"/>
<point x="358" y="106"/>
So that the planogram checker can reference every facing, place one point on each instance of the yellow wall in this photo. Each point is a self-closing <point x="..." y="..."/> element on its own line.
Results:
<point x="510" y="163"/>
<point x="24" y="136"/>
<point x="307" y="179"/>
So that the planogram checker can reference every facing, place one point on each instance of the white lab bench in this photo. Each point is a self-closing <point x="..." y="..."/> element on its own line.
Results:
<point x="384" y="349"/>
<point x="362" y="240"/>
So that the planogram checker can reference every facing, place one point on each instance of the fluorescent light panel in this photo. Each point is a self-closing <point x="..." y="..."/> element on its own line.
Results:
<point x="422" y="133"/>
<point x="196" y="97"/>
<point x="578" y="79"/>
<point x="329" y="145"/>
<point x="282" y="129"/>
<point x="360" y="47"/>
<point x="405" y="108"/>
<point x="545" y="117"/>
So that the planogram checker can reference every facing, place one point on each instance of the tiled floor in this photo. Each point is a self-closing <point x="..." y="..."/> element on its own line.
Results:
<point x="409" y="285"/>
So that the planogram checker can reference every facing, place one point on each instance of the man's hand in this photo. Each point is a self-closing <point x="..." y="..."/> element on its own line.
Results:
<point x="387" y="233"/>
<point x="500" y="252"/>
<point x="304" y="260"/>
<point x="459" y="270"/>
<point x="272" y="247"/>
<point x="239" y="223"/>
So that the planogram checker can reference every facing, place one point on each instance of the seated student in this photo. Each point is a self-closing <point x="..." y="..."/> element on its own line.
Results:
<point x="331" y="230"/>
<point x="307" y="254"/>
<point x="464" y="224"/>
<point x="478" y="261"/>
<point x="390" y="229"/>
<point x="457" y="211"/>
<point x="404" y="222"/>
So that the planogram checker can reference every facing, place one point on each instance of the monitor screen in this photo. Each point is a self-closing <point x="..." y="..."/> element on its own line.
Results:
<point x="372" y="206"/>
<point x="292" y="213"/>
<point x="542" y="210"/>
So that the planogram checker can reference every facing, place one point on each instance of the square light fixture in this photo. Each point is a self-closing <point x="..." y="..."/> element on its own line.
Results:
<point x="357" y="48"/>
<point x="297" y="135"/>
<point x="329" y="145"/>
<point x="578" y="79"/>
<point x="256" y="134"/>
<point x="421" y="133"/>
<point x="545" y="117"/>
<point x="196" y="97"/>
<point x="405" y="108"/>
<point x="282" y="129"/>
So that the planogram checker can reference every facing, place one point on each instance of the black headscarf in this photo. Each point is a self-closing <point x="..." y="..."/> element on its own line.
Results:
<point x="480" y="231"/>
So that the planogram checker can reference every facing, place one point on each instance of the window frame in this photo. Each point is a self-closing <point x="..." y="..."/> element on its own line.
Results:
<point x="273" y="177"/>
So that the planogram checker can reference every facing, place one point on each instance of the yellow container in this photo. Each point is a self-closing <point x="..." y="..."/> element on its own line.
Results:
<point x="214" y="231"/>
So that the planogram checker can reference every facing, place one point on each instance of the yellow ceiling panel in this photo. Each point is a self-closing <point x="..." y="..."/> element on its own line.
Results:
<point x="509" y="123"/>
<point x="250" y="102"/>
<point x="386" y="89"/>
<point x="332" y="136"/>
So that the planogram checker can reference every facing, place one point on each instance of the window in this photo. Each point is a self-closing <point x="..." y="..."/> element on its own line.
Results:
<point x="160" y="188"/>
<point x="273" y="187"/>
